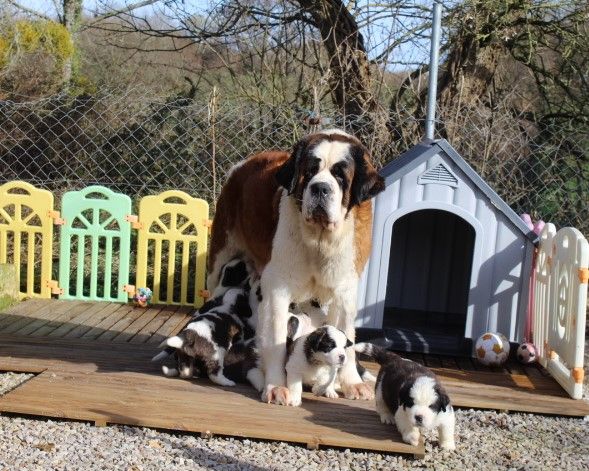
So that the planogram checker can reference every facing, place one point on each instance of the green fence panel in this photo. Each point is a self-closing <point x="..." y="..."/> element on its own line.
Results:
<point x="95" y="245"/>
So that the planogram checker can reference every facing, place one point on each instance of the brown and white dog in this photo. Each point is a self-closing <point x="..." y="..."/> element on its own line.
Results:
<point x="304" y="219"/>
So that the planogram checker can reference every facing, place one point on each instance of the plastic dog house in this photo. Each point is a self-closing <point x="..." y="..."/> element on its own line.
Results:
<point x="450" y="259"/>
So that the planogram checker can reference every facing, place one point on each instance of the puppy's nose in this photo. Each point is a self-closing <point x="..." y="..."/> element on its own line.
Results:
<point x="320" y="189"/>
<point x="419" y="419"/>
<point x="342" y="358"/>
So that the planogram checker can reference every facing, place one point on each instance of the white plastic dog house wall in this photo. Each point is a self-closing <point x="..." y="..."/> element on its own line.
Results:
<point x="450" y="259"/>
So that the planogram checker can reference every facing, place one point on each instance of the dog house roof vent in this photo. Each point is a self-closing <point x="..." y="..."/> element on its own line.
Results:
<point x="439" y="174"/>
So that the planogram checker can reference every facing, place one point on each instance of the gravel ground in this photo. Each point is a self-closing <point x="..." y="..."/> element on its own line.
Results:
<point x="485" y="440"/>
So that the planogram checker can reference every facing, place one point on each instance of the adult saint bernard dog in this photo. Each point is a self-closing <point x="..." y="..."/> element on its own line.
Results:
<point x="304" y="220"/>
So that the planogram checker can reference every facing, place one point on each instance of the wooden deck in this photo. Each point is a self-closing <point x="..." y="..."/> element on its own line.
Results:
<point x="91" y="362"/>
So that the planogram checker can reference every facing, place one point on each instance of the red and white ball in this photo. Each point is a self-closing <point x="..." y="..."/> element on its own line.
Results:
<point x="492" y="349"/>
<point x="527" y="353"/>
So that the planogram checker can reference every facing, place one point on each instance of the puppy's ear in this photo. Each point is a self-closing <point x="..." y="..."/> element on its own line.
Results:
<point x="405" y="398"/>
<point x="287" y="174"/>
<point x="175" y="342"/>
<point x="292" y="327"/>
<point x="443" y="399"/>
<point x="367" y="182"/>
<point x="242" y="306"/>
<point x="317" y="337"/>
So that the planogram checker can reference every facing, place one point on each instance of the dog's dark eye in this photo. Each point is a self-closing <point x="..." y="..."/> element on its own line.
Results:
<point x="339" y="174"/>
<point x="312" y="168"/>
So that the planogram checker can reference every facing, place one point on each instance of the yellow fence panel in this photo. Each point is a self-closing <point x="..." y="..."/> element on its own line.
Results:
<point x="172" y="247"/>
<point x="26" y="232"/>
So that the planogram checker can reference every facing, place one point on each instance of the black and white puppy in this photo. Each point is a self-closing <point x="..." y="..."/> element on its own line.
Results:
<point x="242" y="364"/>
<point x="207" y="337"/>
<point x="313" y="359"/>
<point x="410" y="395"/>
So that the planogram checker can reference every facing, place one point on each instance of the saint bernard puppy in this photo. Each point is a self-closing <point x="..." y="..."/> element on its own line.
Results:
<point x="303" y="220"/>
<point x="411" y="396"/>
<point x="313" y="359"/>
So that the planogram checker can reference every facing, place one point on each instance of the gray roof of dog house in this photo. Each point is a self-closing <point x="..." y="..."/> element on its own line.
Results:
<point x="428" y="148"/>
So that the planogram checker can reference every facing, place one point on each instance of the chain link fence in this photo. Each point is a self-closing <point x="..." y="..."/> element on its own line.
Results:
<point x="139" y="144"/>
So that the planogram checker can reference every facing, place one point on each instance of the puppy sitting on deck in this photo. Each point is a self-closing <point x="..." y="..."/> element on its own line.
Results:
<point x="410" y="395"/>
<point x="314" y="359"/>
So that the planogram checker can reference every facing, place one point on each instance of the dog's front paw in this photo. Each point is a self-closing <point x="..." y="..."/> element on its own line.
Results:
<point x="387" y="418"/>
<point x="330" y="392"/>
<point x="412" y="438"/>
<point x="448" y="445"/>
<point x="295" y="401"/>
<point x="358" y="391"/>
<point x="276" y="394"/>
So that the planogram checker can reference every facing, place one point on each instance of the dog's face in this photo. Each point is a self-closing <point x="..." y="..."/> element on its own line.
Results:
<point x="327" y="345"/>
<point x="328" y="174"/>
<point x="423" y="400"/>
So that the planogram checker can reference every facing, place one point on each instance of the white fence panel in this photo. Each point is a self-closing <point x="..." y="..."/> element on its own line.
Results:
<point x="560" y="305"/>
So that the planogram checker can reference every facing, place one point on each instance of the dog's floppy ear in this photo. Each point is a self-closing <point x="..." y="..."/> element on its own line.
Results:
<point x="316" y="337"/>
<point x="367" y="182"/>
<point x="288" y="172"/>
<point x="443" y="399"/>
<point x="405" y="398"/>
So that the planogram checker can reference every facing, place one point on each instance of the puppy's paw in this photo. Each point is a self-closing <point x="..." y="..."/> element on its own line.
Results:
<point x="276" y="395"/>
<point x="358" y="391"/>
<point x="295" y="401"/>
<point x="387" y="419"/>
<point x="330" y="392"/>
<point x="448" y="445"/>
<point x="412" y="438"/>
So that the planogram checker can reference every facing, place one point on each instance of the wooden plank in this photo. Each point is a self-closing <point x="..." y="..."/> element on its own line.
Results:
<point x="20" y="310"/>
<point x="26" y="305"/>
<point x="108" y="322"/>
<point x="197" y="406"/>
<point x="43" y="312"/>
<point x="152" y="326"/>
<point x="139" y="323"/>
<point x="122" y="324"/>
<point x="173" y="325"/>
<point x="92" y="321"/>
<point x="57" y="311"/>
<point x="77" y="309"/>
<point x="81" y="319"/>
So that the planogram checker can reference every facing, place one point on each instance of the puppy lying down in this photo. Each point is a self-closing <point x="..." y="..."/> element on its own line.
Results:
<point x="410" y="395"/>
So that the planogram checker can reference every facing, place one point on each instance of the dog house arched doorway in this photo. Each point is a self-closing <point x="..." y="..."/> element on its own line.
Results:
<point x="428" y="281"/>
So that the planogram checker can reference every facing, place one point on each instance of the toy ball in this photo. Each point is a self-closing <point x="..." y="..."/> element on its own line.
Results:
<point x="492" y="349"/>
<point x="142" y="297"/>
<point x="527" y="353"/>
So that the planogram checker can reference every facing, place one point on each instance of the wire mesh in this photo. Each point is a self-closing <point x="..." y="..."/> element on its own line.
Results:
<point x="139" y="144"/>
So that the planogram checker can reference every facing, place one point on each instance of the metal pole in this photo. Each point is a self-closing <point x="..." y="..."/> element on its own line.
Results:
<point x="434" y="57"/>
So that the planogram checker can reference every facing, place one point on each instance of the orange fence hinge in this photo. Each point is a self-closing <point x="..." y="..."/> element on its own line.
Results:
<point x="130" y="290"/>
<point x="134" y="220"/>
<point x="208" y="223"/>
<point x="578" y="374"/>
<point x="56" y="216"/>
<point x="53" y="285"/>
<point x="584" y="275"/>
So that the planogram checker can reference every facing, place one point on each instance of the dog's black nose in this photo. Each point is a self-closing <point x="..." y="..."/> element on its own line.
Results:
<point x="419" y="419"/>
<point x="342" y="358"/>
<point x="320" y="189"/>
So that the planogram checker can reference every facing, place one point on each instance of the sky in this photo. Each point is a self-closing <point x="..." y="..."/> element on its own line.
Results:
<point x="377" y="33"/>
